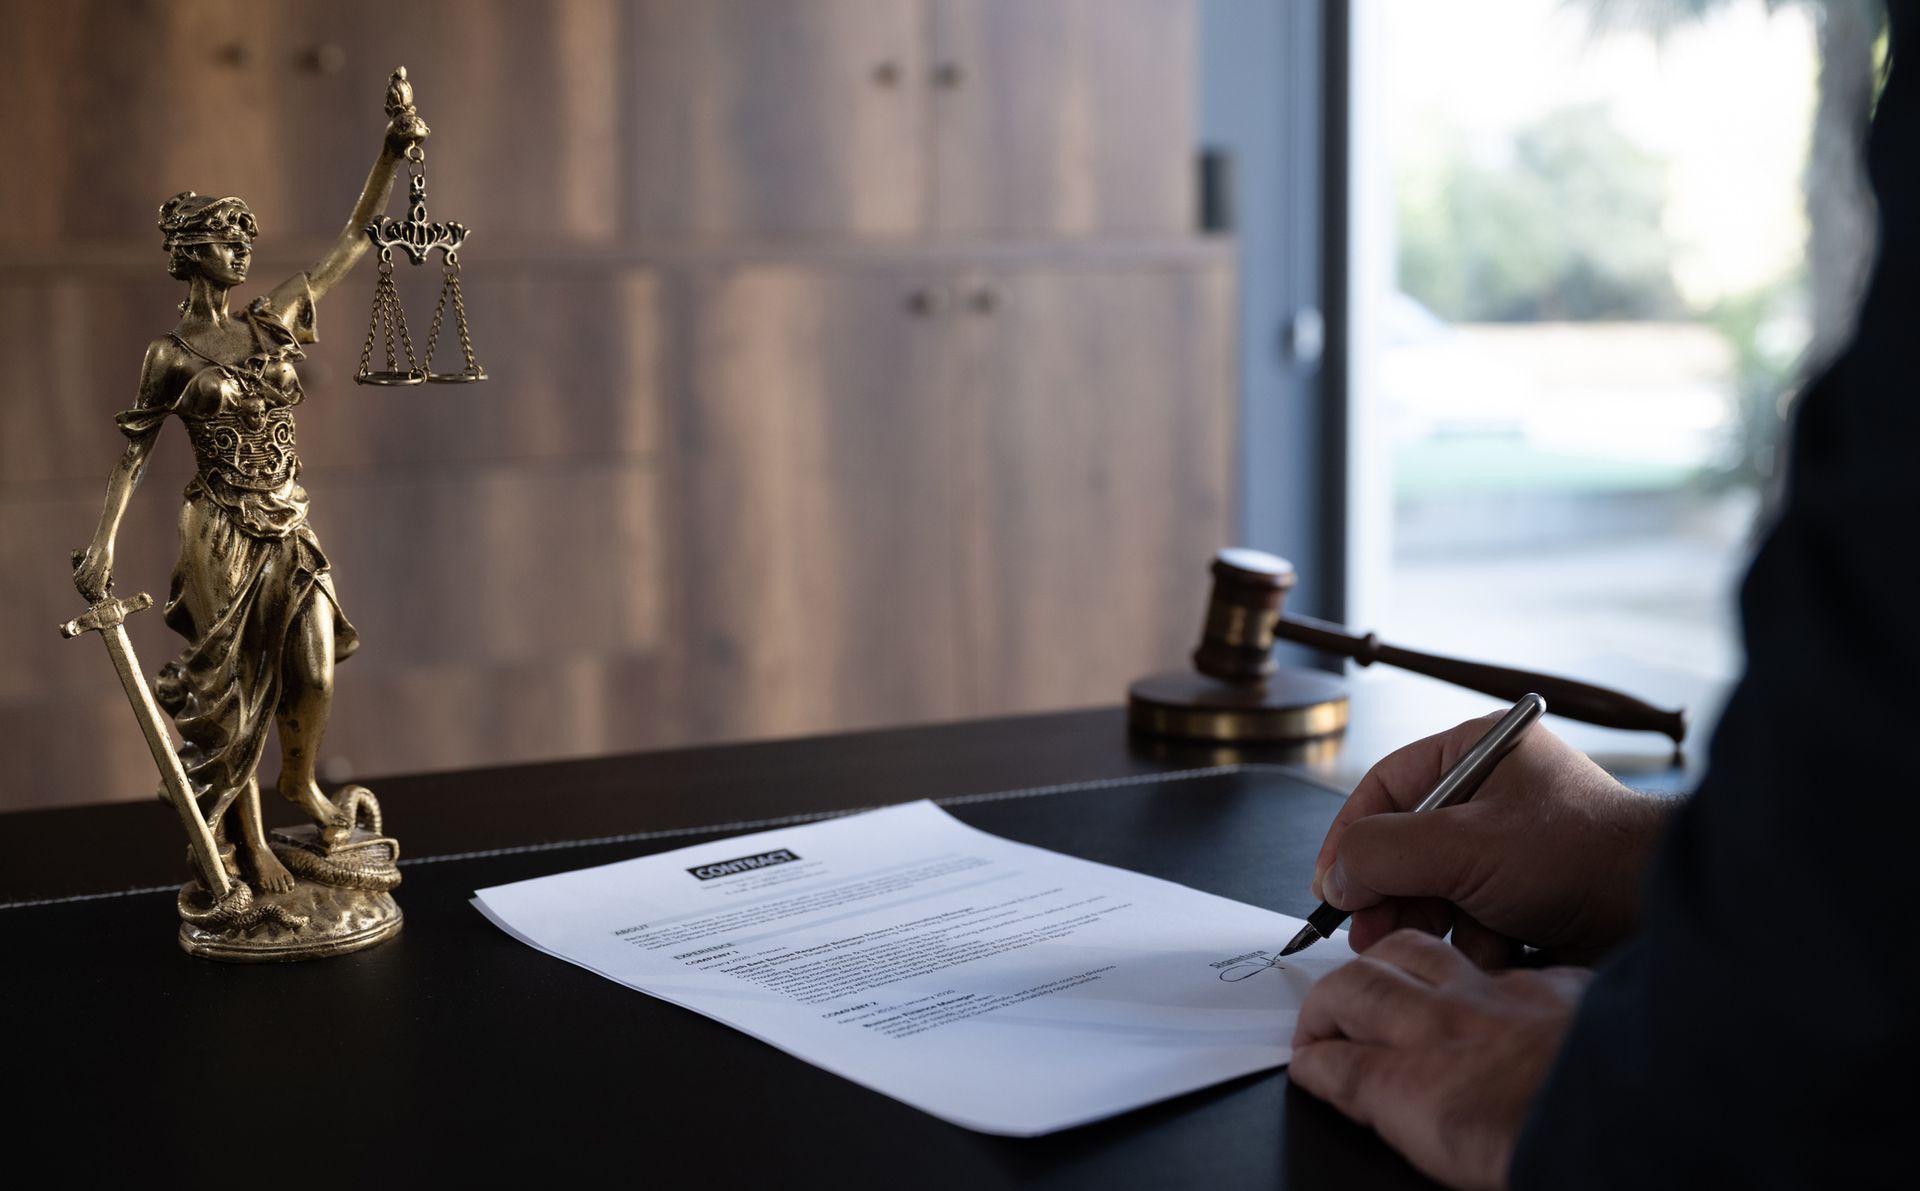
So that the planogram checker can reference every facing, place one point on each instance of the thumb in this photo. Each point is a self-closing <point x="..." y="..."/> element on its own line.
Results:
<point x="1437" y="854"/>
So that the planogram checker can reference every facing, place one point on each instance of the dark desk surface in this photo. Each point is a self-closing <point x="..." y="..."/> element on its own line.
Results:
<point x="454" y="1051"/>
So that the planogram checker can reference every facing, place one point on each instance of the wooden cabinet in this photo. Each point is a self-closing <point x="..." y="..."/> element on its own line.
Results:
<point x="524" y="101"/>
<point x="489" y="541"/>
<point x="1098" y="469"/>
<point x="916" y="491"/>
<point x="851" y="364"/>
<point x="967" y="118"/>
<point x="705" y="501"/>
<point x="464" y="715"/>
<point x="509" y="564"/>
<point x="1062" y="117"/>
<point x="767" y="118"/>
<point x="576" y="357"/>
<point x="581" y="121"/>
<point x="72" y="345"/>
<point x="100" y="127"/>
<point x="812" y="450"/>
<point x="123" y="103"/>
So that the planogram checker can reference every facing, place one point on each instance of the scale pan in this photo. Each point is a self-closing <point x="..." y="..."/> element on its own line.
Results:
<point x="471" y="376"/>
<point x="390" y="378"/>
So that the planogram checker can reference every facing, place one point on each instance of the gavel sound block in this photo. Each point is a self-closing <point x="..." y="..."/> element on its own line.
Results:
<point x="1236" y="692"/>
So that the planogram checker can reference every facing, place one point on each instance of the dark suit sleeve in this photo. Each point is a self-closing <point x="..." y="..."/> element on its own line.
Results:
<point x="1760" y="1030"/>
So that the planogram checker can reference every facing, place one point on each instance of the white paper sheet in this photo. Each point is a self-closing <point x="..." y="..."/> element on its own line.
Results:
<point x="996" y="985"/>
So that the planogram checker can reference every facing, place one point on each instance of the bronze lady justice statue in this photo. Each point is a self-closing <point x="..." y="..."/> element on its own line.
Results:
<point x="251" y="592"/>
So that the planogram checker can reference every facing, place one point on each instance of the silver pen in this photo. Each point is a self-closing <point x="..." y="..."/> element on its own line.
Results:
<point x="1457" y="786"/>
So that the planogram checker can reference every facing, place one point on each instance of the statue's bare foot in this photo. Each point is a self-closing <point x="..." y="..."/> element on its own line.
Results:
<point x="264" y="870"/>
<point x="307" y="796"/>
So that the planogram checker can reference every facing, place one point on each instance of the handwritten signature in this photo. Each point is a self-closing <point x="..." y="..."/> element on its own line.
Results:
<point x="1242" y="971"/>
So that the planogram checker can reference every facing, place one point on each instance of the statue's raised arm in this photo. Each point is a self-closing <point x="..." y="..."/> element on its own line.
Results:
<point x="405" y="132"/>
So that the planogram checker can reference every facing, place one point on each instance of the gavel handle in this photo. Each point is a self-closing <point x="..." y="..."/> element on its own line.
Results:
<point x="1575" y="700"/>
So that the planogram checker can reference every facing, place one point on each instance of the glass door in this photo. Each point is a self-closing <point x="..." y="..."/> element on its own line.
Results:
<point x="1582" y="301"/>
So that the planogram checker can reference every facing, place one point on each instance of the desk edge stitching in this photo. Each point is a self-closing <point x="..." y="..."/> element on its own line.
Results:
<point x="1138" y="779"/>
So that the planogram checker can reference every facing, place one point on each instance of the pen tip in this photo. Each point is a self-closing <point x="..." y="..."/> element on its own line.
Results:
<point x="1301" y="941"/>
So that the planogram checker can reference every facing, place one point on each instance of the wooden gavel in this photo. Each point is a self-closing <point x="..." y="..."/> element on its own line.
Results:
<point x="1245" y="618"/>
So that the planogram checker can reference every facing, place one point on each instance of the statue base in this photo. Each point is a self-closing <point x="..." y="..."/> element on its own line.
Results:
<point x="340" y="902"/>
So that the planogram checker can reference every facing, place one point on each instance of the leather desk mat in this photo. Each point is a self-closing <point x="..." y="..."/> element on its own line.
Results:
<point x="455" y="1052"/>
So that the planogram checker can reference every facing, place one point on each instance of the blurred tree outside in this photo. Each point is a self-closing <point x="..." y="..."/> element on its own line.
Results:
<point x="1850" y="44"/>
<point x="1565" y="224"/>
<point x="1619" y="254"/>
<point x="1567" y="228"/>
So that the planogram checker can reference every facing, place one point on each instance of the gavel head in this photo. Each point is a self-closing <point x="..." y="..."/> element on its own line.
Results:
<point x="1236" y="646"/>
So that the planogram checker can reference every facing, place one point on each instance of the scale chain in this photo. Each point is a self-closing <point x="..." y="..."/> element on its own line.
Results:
<point x="418" y="237"/>
<point x="450" y="287"/>
<point x="386" y="316"/>
<point x="451" y="275"/>
<point x="460" y="325"/>
<point x="406" y="337"/>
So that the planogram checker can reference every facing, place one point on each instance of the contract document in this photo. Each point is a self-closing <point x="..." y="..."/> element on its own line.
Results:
<point x="999" y="986"/>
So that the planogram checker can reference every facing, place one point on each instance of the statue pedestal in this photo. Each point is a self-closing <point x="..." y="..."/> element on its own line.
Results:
<point x="340" y="902"/>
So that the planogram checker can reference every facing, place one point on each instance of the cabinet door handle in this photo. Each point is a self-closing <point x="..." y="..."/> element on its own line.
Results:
<point x="987" y="299"/>
<point x="887" y="74"/>
<point x="927" y="300"/>
<point x="326" y="58"/>
<point x="949" y="75"/>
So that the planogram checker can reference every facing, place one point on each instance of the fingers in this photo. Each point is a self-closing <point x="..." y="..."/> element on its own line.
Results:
<point x="1424" y="955"/>
<point x="1386" y="787"/>
<point x="1488" y="949"/>
<point x="1351" y="1076"/>
<point x="1567" y="983"/>
<point x="1368" y="1000"/>
<point x="1397" y="783"/>
<point x="1367" y="927"/>
<point x="1439" y="854"/>
<point x="1454" y="1103"/>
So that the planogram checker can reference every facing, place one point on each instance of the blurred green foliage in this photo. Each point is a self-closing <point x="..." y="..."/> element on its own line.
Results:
<point x="1565" y="225"/>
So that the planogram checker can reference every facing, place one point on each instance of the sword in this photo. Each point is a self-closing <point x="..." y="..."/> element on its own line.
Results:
<point x="108" y="617"/>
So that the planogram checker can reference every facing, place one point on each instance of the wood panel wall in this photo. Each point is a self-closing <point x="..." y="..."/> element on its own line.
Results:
<point x="852" y="364"/>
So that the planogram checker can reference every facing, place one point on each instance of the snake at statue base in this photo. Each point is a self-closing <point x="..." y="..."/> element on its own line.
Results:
<point x="370" y="864"/>
<point x="375" y="875"/>
<point x="236" y="909"/>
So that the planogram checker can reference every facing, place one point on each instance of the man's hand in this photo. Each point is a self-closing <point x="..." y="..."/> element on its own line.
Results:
<point x="1438" y="1057"/>
<point x="1549" y="852"/>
